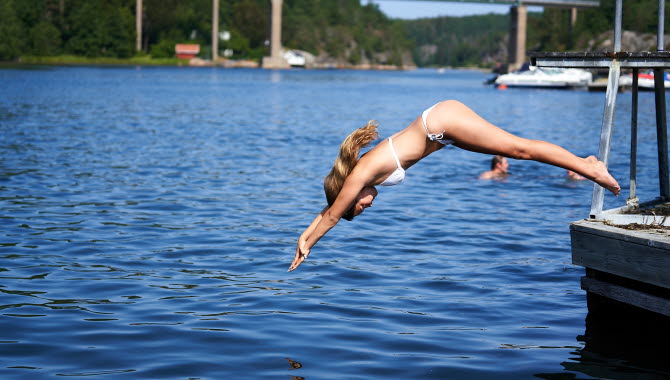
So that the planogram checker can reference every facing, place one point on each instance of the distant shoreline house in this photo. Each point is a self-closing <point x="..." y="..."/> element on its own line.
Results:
<point x="186" y="51"/>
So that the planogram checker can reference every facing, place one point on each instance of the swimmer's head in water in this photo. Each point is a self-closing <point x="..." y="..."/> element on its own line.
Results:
<point x="346" y="161"/>
<point x="501" y="162"/>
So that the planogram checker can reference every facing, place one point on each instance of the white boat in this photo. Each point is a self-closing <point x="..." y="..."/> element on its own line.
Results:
<point x="645" y="81"/>
<point x="545" y="78"/>
<point x="295" y="58"/>
<point x="600" y="84"/>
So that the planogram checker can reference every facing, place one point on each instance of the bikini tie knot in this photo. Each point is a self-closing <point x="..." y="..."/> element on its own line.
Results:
<point x="434" y="137"/>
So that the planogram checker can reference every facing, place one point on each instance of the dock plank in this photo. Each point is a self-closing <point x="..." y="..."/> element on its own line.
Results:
<point x="641" y="255"/>
<point x="628" y="296"/>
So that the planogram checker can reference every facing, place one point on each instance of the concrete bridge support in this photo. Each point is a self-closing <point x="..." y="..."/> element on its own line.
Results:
<point x="215" y="30"/>
<point x="138" y="24"/>
<point x="275" y="60"/>
<point x="516" y="55"/>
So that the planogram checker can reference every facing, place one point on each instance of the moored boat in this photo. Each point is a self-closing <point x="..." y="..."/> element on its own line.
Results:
<point x="545" y="78"/>
<point x="645" y="81"/>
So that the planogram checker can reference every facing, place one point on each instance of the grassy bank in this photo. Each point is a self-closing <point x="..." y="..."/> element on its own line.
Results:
<point x="79" y="60"/>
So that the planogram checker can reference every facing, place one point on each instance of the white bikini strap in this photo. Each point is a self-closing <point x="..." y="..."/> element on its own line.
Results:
<point x="424" y="115"/>
<point x="397" y="161"/>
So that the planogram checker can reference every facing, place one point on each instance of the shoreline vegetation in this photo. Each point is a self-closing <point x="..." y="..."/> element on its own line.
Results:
<point x="336" y="35"/>
<point x="80" y="60"/>
<point x="29" y="61"/>
<point x="145" y="60"/>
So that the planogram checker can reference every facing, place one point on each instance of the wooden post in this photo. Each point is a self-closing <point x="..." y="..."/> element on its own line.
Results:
<point x="215" y="30"/>
<point x="138" y="24"/>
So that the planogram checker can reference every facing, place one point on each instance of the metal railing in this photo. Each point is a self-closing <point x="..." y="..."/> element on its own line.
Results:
<point x="615" y="61"/>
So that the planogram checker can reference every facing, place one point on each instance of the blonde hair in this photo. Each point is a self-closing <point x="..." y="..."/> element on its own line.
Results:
<point x="347" y="160"/>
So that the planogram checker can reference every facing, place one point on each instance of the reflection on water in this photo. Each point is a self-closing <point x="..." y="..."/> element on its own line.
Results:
<point x="294" y="364"/>
<point x="623" y="342"/>
<point x="149" y="216"/>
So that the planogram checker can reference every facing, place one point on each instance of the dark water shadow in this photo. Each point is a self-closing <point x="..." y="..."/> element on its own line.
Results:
<point x="620" y="342"/>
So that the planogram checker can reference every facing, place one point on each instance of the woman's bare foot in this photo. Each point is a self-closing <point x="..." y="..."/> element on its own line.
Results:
<point x="602" y="176"/>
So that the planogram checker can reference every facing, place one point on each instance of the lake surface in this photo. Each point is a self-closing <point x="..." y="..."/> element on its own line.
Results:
<point x="148" y="216"/>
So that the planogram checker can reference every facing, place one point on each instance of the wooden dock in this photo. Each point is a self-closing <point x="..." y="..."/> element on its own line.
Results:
<point x="626" y="265"/>
<point x="626" y="251"/>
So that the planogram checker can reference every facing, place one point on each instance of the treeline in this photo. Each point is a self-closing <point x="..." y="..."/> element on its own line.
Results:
<point x="79" y="27"/>
<point x="458" y="41"/>
<point x="551" y="31"/>
<point x="482" y="40"/>
<point x="343" y="29"/>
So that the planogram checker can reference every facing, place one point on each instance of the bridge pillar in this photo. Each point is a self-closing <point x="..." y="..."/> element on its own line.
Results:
<point x="215" y="30"/>
<point x="275" y="60"/>
<point x="516" y="55"/>
<point x="138" y="24"/>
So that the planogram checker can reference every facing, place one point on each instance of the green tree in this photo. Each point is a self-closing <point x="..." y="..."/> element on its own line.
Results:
<point x="12" y="41"/>
<point x="177" y="21"/>
<point x="456" y="41"/>
<point x="101" y="28"/>
<point x="116" y="32"/>
<point x="84" y="38"/>
<point x="251" y="21"/>
<point x="45" y="39"/>
<point x="343" y="29"/>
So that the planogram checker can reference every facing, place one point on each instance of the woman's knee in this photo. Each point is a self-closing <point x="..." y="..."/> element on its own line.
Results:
<point x="452" y="105"/>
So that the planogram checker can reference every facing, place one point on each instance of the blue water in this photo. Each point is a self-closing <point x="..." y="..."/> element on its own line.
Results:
<point x="148" y="216"/>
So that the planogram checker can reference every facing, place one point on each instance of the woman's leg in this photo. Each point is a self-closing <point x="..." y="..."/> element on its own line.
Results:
<point x="471" y="132"/>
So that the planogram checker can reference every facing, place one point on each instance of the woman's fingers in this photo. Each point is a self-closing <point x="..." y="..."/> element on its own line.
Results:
<point x="297" y="260"/>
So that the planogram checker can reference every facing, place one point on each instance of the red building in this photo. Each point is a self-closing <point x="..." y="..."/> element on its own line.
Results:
<point x="186" y="51"/>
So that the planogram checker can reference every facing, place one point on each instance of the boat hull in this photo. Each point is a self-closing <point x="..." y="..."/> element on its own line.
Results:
<point x="546" y="78"/>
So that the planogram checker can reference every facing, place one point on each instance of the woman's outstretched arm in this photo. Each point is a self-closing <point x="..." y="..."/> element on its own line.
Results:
<point x="327" y="219"/>
<point x="299" y="257"/>
<point x="471" y="132"/>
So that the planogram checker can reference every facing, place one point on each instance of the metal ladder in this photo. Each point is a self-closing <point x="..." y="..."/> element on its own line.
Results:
<point x="616" y="61"/>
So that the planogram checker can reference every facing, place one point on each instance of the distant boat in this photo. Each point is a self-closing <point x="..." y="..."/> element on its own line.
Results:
<point x="645" y="81"/>
<point x="295" y="58"/>
<point x="545" y="78"/>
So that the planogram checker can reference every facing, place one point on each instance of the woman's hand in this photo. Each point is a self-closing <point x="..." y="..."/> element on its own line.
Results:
<point x="301" y="253"/>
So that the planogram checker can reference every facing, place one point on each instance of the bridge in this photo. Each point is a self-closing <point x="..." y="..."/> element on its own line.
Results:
<point x="517" y="35"/>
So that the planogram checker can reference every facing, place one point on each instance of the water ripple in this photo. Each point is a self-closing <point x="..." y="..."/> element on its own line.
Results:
<point x="149" y="236"/>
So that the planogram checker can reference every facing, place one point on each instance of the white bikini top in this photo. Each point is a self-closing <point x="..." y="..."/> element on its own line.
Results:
<point x="432" y="136"/>
<point x="398" y="174"/>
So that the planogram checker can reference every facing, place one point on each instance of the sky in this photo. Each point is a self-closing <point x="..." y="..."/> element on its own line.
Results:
<point x="413" y="9"/>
